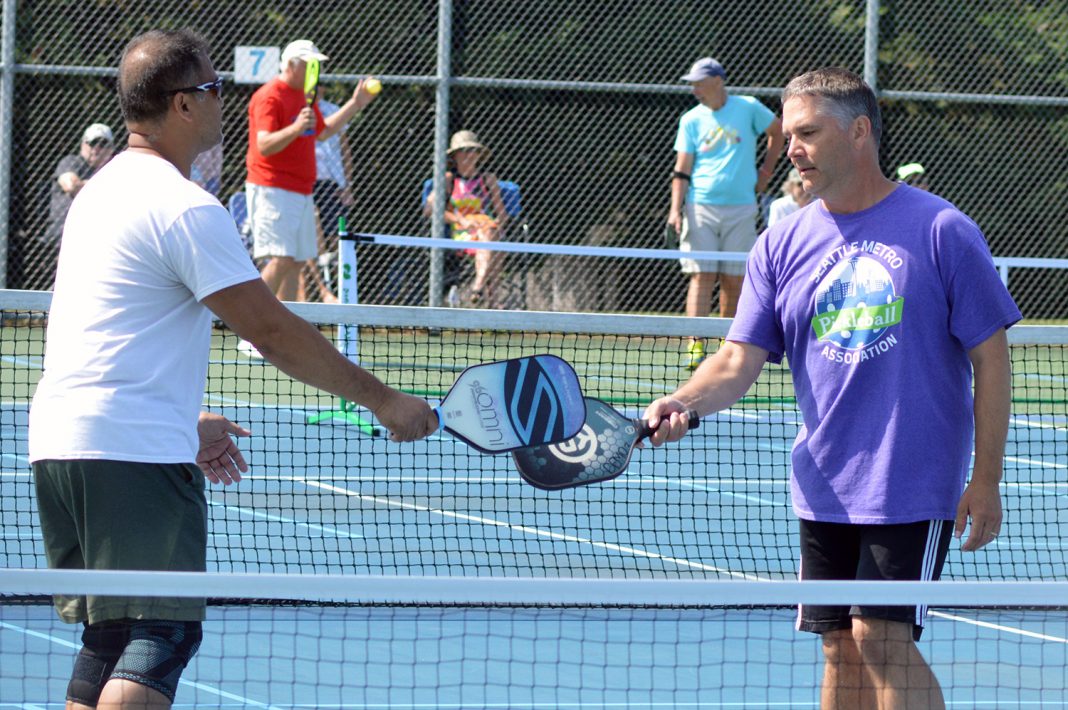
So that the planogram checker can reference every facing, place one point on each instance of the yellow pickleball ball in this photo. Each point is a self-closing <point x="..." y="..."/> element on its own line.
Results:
<point x="373" y="86"/>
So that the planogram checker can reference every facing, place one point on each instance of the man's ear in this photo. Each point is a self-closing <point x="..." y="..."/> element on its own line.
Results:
<point x="180" y="102"/>
<point x="861" y="129"/>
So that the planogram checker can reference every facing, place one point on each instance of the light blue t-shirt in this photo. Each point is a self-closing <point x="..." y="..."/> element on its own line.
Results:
<point x="876" y="312"/>
<point x="723" y="144"/>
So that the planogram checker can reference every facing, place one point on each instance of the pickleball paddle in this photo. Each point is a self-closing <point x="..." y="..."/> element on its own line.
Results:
<point x="600" y="452"/>
<point x="505" y="405"/>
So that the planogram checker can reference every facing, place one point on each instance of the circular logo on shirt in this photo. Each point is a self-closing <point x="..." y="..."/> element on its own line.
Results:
<point x="856" y="303"/>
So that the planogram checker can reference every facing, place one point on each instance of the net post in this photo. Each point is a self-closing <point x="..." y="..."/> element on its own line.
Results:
<point x="347" y="335"/>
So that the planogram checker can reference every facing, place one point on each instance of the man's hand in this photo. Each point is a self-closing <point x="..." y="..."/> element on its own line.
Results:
<point x="218" y="457"/>
<point x="675" y="220"/>
<point x="982" y="503"/>
<point x="763" y="178"/>
<point x="408" y="418"/>
<point x="671" y="419"/>
<point x="305" y="120"/>
<point x="362" y="96"/>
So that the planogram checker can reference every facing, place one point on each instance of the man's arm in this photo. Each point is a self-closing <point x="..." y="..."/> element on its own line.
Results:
<point x="67" y="176"/>
<point x="718" y="383"/>
<point x="993" y="400"/>
<point x="679" y="186"/>
<point x="361" y="97"/>
<point x="776" y="140"/>
<point x="271" y="142"/>
<point x="297" y="348"/>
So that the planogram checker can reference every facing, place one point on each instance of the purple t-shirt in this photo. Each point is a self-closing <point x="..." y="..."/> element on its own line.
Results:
<point x="876" y="312"/>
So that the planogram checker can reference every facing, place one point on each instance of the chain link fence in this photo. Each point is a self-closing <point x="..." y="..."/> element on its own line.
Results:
<point x="579" y="102"/>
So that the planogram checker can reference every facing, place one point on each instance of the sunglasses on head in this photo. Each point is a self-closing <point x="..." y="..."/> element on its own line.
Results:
<point x="214" y="87"/>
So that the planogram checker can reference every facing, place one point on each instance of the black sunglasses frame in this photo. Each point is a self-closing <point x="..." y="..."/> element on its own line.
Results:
<point x="214" y="87"/>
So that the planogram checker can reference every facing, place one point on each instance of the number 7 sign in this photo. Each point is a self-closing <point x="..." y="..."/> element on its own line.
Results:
<point x="256" y="65"/>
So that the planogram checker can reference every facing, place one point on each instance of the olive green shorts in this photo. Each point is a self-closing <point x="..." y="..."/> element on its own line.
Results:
<point x="120" y="515"/>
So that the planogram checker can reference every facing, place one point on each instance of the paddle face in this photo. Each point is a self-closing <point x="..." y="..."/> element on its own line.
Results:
<point x="505" y="405"/>
<point x="600" y="452"/>
<point x="311" y="80"/>
<point x="671" y="237"/>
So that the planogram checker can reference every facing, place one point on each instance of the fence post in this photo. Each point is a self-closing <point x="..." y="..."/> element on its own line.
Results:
<point x="871" y="46"/>
<point x="441" y="142"/>
<point x="7" y="100"/>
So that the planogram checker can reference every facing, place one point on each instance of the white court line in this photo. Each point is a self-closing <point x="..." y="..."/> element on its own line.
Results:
<point x="189" y="683"/>
<point x="999" y="627"/>
<point x="35" y="362"/>
<point x="1042" y="463"/>
<point x="525" y="529"/>
<point x="280" y="519"/>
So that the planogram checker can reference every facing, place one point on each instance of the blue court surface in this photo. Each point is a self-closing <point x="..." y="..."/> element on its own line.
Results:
<point x="328" y="499"/>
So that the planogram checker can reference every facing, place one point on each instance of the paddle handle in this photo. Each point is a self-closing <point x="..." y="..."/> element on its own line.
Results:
<point x="647" y="431"/>
<point x="441" y="418"/>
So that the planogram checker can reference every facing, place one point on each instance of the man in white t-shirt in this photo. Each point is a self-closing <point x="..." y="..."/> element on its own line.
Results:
<point x="116" y="434"/>
<point x="793" y="198"/>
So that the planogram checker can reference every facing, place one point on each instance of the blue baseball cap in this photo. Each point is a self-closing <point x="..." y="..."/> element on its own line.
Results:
<point x="704" y="69"/>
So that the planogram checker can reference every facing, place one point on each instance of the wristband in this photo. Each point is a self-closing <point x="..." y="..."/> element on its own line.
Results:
<point x="680" y="175"/>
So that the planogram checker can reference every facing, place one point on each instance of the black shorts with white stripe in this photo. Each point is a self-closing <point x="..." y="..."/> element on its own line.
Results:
<point x="901" y="552"/>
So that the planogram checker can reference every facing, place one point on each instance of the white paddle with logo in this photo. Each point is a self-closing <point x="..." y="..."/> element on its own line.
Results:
<point x="509" y="404"/>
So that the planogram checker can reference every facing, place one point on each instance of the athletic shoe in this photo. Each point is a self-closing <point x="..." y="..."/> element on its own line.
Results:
<point x="695" y="355"/>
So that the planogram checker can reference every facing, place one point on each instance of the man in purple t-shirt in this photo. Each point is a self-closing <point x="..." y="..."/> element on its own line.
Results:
<point x="884" y="299"/>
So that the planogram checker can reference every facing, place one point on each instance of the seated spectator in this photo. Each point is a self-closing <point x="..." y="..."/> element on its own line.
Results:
<point x="72" y="171"/>
<point x="914" y="174"/>
<point x="793" y="198"/>
<point x="98" y="145"/>
<point x="475" y="211"/>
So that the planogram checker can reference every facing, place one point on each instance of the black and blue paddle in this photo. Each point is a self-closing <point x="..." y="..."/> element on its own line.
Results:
<point x="509" y="404"/>
<point x="600" y="452"/>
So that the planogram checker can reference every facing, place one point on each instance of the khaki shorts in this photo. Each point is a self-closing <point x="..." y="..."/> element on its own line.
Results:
<point x="119" y="515"/>
<point x="718" y="228"/>
<point x="282" y="222"/>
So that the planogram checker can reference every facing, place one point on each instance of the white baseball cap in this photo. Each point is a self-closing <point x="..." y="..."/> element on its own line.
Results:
<point x="96" y="132"/>
<point x="303" y="49"/>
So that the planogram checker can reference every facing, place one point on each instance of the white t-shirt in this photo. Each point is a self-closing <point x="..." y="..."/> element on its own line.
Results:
<point x="328" y="162"/>
<point x="126" y="355"/>
<point x="782" y="208"/>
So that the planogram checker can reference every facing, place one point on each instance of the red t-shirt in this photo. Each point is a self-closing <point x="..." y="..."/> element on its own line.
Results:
<point x="274" y="106"/>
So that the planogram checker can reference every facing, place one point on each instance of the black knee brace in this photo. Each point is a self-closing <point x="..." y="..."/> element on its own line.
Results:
<point x="157" y="652"/>
<point x="102" y="645"/>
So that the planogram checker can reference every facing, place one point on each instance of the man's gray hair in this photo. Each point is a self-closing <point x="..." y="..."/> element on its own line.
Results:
<point x="845" y="95"/>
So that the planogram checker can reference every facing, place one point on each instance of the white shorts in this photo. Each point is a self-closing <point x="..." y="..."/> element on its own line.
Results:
<point x="282" y="222"/>
<point x="717" y="228"/>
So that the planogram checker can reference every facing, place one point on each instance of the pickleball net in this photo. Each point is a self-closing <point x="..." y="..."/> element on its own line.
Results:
<point x="328" y="498"/>
<point x="285" y="641"/>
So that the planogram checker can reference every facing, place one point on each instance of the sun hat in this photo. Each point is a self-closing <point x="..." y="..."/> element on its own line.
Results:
<point x="303" y="49"/>
<point x="467" y="140"/>
<point x="704" y="69"/>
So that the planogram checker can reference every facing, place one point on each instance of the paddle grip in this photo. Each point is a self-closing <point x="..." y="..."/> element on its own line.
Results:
<point x="647" y="431"/>
<point x="441" y="419"/>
